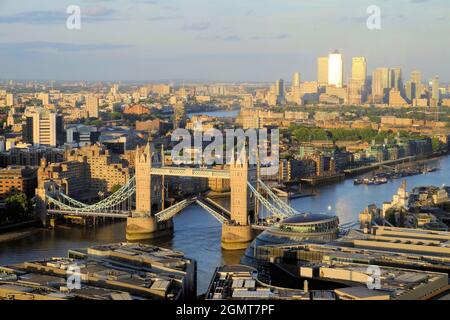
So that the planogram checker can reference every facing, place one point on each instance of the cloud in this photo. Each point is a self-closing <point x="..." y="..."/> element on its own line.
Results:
<point x="97" y="12"/>
<point x="163" y="18"/>
<point x="219" y="38"/>
<point x="232" y="37"/>
<point x="157" y="3"/>
<point x="35" y="17"/>
<point x="97" y="1"/>
<point x="199" y="26"/>
<point x="91" y="14"/>
<point x="45" y="47"/>
<point x="150" y="2"/>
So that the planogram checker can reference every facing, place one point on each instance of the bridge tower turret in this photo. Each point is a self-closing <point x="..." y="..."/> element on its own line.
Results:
<point x="237" y="233"/>
<point x="143" y="225"/>
<point x="143" y="167"/>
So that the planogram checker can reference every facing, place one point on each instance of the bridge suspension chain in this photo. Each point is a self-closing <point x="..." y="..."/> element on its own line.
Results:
<point x="112" y="202"/>
<point x="74" y="202"/>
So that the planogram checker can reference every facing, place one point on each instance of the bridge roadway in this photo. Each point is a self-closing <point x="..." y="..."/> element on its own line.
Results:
<point x="109" y="214"/>
<point x="160" y="216"/>
<point x="126" y="214"/>
<point x="190" y="172"/>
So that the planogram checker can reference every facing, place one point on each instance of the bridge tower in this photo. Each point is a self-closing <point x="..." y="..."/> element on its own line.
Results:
<point x="143" y="225"/>
<point x="45" y="187"/>
<point x="237" y="234"/>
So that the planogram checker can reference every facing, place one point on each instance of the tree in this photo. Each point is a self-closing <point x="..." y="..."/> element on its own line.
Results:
<point x="115" y="188"/>
<point x="436" y="144"/>
<point x="18" y="207"/>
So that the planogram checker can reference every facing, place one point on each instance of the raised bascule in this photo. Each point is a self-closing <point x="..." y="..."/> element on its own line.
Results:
<point x="150" y="219"/>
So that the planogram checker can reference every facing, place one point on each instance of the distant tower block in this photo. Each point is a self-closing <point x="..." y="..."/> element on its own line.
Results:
<point x="143" y="225"/>
<point x="237" y="234"/>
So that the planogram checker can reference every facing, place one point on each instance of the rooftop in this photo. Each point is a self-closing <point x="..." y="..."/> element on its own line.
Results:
<point x="306" y="218"/>
<point x="115" y="271"/>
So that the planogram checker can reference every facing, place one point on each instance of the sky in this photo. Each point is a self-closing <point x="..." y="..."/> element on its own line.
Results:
<point x="217" y="40"/>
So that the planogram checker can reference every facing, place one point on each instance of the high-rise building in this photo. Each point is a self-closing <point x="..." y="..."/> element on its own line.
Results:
<point x="296" y="80"/>
<point x="92" y="106"/>
<point x="381" y="83"/>
<point x="9" y="99"/>
<point x="322" y="71"/>
<point x="435" y="94"/>
<point x="355" y="92"/>
<point x="416" y="78"/>
<point x="295" y="90"/>
<point x="357" y="84"/>
<point x="43" y="127"/>
<point x="335" y="69"/>
<point x="410" y="91"/>
<point x="397" y="81"/>
<point x="279" y="89"/>
<point x="359" y="69"/>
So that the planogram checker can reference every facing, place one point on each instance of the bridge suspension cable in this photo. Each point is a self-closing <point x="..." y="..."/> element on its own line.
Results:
<point x="280" y="203"/>
<point x="274" y="211"/>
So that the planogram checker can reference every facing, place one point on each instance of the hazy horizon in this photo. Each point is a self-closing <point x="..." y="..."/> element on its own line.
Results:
<point x="217" y="41"/>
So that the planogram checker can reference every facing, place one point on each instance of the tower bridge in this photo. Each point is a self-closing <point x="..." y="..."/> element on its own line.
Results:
<point x="140" y="201"/>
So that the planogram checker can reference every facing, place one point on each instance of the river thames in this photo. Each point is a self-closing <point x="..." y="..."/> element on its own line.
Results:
<point x="197" y="234"/>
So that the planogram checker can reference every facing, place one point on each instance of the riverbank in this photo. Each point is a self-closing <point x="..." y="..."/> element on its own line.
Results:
<point x="17" y="235"/>
<point x="20" y="230"/>
<point x="407" y="160"/>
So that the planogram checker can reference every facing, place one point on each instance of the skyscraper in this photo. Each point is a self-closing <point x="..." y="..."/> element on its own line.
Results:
<point x="356" y="94"/>
<point x="279" y="88"/>
<point x="416" y="78"/>
<point x="43" y="127"/>
<point x="359" y="69"/>
<point x="357" y="83"/>
<point x="410" y="91"/>
<point x="296" y="80"/>
<point x="397" y="81"/>
<point x="322" y="71"/>
<point x="381" y="83"/>
<point x="295" y="90"/>
<point x="92" y="106"/>
<point x="335" y="69"/>
<point x="435" y="94"/>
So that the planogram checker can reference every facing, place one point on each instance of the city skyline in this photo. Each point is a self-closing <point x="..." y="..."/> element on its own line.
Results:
<point x="251" y="41"/>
